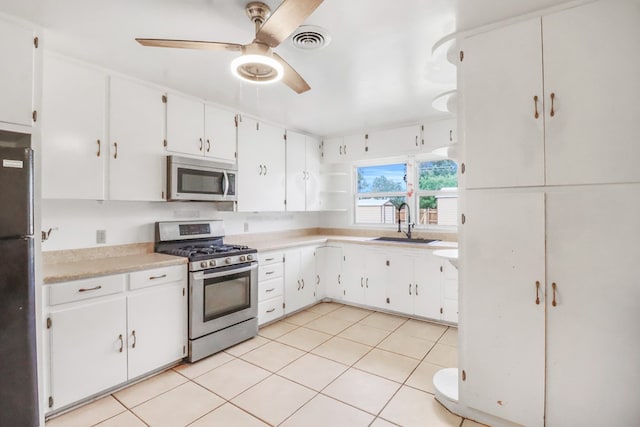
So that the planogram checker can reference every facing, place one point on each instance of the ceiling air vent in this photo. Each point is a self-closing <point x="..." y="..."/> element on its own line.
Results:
<point x="310" y="37"/>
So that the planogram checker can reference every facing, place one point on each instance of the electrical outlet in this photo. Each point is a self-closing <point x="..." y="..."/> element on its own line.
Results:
<point x="246" y="227"/>
<point x="101" y="236"/>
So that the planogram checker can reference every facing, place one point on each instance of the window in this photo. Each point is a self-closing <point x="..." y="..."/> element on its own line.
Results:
<point x="379" y="190"/>
<point x="437" y="193"/>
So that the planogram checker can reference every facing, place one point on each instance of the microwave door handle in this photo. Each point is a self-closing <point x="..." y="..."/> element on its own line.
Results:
<point x="226" y="184"/>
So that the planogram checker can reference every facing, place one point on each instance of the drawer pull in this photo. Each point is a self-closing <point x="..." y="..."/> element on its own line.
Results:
<point x="269" y="272"/>
<point x="95" y="288"/>
<point x="133" y="333"/>
<point x="269" y="259"/>
<point x="121" y="343"/>
<point x="157" y="277"/>
<point x="270" y="290"/>
<point x="271" y="311"/>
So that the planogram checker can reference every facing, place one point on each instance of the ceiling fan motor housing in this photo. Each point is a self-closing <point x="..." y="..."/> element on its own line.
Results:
<point x="257" y="64"/>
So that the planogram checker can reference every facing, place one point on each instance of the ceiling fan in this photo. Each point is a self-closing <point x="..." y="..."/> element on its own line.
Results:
<point x="258" y="62"/>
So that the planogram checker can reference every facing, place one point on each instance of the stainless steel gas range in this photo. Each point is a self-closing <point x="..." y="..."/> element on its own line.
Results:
<point x="223" y="284"/>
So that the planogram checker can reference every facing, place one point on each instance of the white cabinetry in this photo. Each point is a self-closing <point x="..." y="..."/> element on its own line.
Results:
<point x="439" y="134"/>
<point x="449" y="289"/>
<point x="137" y="162"/>
<point x="270" y="286"/>
<point x="580" y="125"/>
<point x="261" y="164"/>
<point x="300" y="278"/>
<point x="343" y="148"/>
<point x="17" y="48"/>
<point x="303" y="172"/>
<point x="99" y="334"/>
<point x="365" y="275"/>
<point x="200" y="129"/>
<point x="390" y="142"/>
<point x="73" y="130"/>
<point x="329" y="270"/>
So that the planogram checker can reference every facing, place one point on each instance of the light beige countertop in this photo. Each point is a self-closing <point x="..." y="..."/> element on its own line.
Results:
<point x="63" y="266"/>
<point x="75" y="264"/>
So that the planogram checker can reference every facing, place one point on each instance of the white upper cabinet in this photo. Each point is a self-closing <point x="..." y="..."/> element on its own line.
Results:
<point x="185" y="125"/>
<point x="592" y="68"/>
<point x="220" y="134"/>
<point x="303" y="173"/>
<point x="261" y="167"/>
<point x="343" y="148"/>
<point x="581" y="127"/>
<point x="439" y="134"/>
<point x="16" y="73"/>
<point x="393" y="141"/>
<point x="504" y="141"/>
<point x="137" y="159"/>
<point x="73" y="130"/>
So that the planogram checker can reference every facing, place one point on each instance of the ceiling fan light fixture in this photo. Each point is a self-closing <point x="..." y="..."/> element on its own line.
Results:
<point x="256" y="68"/>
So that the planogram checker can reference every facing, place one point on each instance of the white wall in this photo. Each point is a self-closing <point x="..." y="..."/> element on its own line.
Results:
<point x="75" y="221"/>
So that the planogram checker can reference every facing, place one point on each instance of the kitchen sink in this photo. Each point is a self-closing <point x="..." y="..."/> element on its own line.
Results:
<point x="404" y="240"/>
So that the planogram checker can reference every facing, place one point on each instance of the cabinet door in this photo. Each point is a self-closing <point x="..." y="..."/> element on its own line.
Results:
<point x="185" y="125"/>
<point x="313" y="185"/>
<point x="220" y="134"/>
<point x="332" y="149"/>
<point x="592" y="336"/>
<point x="375" y="278"/>
<point x="308" y="274"/>
<point x="329" y="269"/>
<point x="399" y="287"/>
<point x="261" y="162"/>
<point x="157" y="327"/>
<point x="293" y="293"/>
<point x="589" y="67"/>
<point x="503" y="345"/>
<point x="428" y="301"/>
<point x="394" y="141"/>
<point x="88" y="350"/>
<point x="353" y="269"/>
<point x="16" y="73"/>
<point x="137" y="167"/>
<point x="296" y="172"/>
<point x="355" y="147"/>
<point x="438" y="134"/>
<point x="73" y="118"/>
<point x="504" y="143"/>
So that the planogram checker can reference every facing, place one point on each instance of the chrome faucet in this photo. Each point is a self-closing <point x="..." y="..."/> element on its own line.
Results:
<point x="409" y="225"/>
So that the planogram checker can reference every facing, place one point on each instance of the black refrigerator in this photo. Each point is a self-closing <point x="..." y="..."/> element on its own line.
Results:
<point x="18" y="369"/>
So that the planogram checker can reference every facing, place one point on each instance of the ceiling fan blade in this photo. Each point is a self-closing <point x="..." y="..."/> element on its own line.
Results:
<point x="190" y="44"/>
<point x="291" y="77"/>
<point x="287" y="17"/>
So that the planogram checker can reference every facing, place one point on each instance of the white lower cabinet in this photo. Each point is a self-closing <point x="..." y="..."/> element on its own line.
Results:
<point x="270" y="286"/>
<point x="101" y="334"/>
<point x="329" y="270"/>
<point x="300" y="279"/>
<point x="366" y="275"/>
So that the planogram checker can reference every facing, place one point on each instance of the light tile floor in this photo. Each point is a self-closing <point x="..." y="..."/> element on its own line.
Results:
<point x="330" y="365"/>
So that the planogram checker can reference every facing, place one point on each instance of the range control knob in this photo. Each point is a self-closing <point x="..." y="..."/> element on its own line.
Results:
<point x="242" y="258"/>
<point x="212" y="263"/>
<point x="203" y="264"/>
<point x="250" y="257"/>
<point x="227" y="260"/>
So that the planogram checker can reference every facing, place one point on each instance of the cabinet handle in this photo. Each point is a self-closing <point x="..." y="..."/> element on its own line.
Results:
<point x="98" y="154"/>
<point x="260" y="169"/>
<point x="340" y="150"/>
<point x="416" y="140"/>
<point x="157" y="277"/>
<point x="553" y="98"/>
<point x="410" y="289"/>
<point x="537" y="292"/>
<point x="450" y="135"/>
<point x="133" y="333"/>
<point x="95" y="288"/>
<point x="268" y="259"/>
<point x="265" y="169"/>
<point x="208" y="145"/>
<point x="362" y="282"/>
<point x="339" y="283"/>
<point x="268" y="273"/>
<point x="318" y="279"/>
<point x="535" y="104"/>
<point x="302" y="283"/>
<point x="553" y="286"/>
<point x="201" y="144"/>
<point x="416" y="289"/>
<point x="299" y="285"/>
<point x="344" y="149"/>
<point x="121" y="343"/>
<point x="270" y="290"/>
<point x="115" y="146"/>
<point x="366" y="283"/>
<point x="271" y="311"/>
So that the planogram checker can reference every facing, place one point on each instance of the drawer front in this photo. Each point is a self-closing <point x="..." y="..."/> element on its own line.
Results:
<point x="270" y="310"/>
<point x="268" y="289"/>
<point x="157" y="276"/>
<point x="268" y="272"/>
<point x="269" y="258"/>
<point x="79" y="290"/>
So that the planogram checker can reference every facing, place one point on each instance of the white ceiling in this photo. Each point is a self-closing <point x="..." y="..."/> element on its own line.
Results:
<point x="378" y="70"/>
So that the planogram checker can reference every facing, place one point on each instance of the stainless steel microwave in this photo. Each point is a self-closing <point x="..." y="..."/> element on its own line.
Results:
<point x="200" y="180"/>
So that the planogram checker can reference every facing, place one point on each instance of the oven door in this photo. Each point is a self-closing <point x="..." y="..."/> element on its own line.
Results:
<point x="222" y="297"/>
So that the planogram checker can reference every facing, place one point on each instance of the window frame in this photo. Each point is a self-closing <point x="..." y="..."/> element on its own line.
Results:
<point x="373" y="195"/>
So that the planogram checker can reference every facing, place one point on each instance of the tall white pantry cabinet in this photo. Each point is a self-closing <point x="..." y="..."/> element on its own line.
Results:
<point x="550" y="300"/>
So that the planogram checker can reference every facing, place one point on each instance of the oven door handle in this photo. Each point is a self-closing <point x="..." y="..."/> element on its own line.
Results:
<point x="199" y="275"/>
